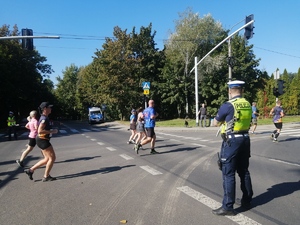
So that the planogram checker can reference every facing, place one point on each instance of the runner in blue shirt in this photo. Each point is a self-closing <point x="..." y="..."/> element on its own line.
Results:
<point x="149" y="116"/>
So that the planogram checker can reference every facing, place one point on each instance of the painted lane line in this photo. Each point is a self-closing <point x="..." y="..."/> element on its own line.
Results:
<point x="199" y="145"/>
<point x="111" y="149"/>
<point x="295" y="135"/>
<point x="174" y="140"/>
<point x="96" y="129"/>
<point x="151" y="170"/>
<point x="205" y="200"/>
<point x="100" y="143"/>
<point x="62" y="131"/>
<point x="190" y="138"/>
<point x="87" y="136"/>
<point x="93" y="139"/>
<point x="85" y="130"/>
<point x="284" y="162"/>
<point x="127" y="157"/>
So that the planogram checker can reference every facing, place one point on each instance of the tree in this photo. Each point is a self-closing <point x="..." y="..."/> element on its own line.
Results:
<point x="23" y="76"/>
<point x="66" y="92"/>
<point x="118" y="70"/>
<point x="193" y="36"/>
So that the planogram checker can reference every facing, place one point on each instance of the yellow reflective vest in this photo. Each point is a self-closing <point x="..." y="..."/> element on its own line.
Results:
<point x="241" y="120"/>
<point x="11" y="121"/>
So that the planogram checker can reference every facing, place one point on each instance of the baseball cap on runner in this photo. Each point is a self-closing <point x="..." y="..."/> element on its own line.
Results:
<point x="45" y="105"/>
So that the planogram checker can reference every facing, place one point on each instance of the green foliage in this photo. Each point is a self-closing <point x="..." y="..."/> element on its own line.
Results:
<point x="119" y="67"/>
<point x="66" y="93"/>
<point x="24" y="82"/>
<point x="116" y="74"/>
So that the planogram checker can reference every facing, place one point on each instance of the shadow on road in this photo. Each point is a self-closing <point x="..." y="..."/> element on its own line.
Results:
<point x="78" y="159"/>
<point x="276" y="191"/>
<point x="92" y="172"/>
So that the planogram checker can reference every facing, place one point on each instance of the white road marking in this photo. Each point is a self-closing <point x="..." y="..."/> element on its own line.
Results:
<point x="62" y="131"/>
<point x="96" y="129"/>
<point x="280" y="161"/>
<point x="93" y="139"/>
<point x="85" y="130"/>
<point x="174" y="140"/>
<point x="127" y="157"/>
<point x="111" y="149"/>
<point x="199" y="145"/>
<point x="151" y="170"/>
<point x="205" y="200"/>
<point x="100" y="143"/>
<point x="87" y="136"/>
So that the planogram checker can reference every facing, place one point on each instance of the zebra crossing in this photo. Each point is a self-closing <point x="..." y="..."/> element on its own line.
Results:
<point x="202" y="139"/>
<point x="63" y="131"/>
<point x="208" y="138"/>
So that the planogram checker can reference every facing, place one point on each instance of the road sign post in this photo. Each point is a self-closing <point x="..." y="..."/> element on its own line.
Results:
<point x="146" y="88"/>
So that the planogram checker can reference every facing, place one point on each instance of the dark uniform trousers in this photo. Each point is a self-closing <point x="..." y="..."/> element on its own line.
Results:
<point x="235" y="154"/>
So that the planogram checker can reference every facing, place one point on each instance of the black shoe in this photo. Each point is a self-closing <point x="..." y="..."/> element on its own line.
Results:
<point x="154" y="152"/>
<point x="49" y="178"/>
<point x="20" y="163"/>
<point x="29" y="173"/>
<point x="223" y="212"/>
<point x="241" y="202"/>
<point x="137" y="148"/>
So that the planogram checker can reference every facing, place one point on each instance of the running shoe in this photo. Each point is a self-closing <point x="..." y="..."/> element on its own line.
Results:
<point x="49" y="178"/>
<point x="137" y="148"/>
<point x="20" y="163"/>
<point x="154" y="152"/>
<point x="29" y="173"/>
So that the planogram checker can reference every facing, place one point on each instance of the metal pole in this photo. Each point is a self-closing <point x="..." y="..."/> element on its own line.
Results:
<point x="252" y="21"/>
<point x="229" y="61"/>
<point x="196" y="92"/>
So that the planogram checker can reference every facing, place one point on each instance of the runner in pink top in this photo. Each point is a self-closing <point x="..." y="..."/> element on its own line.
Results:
<point x="32" y="125"/>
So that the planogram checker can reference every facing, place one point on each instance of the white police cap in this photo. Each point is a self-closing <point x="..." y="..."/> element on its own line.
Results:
<point x="236" y="83"/>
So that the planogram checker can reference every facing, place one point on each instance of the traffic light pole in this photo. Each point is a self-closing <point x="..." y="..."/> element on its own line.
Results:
<point x="197" y="63"/>
<point x="29" y="37"/>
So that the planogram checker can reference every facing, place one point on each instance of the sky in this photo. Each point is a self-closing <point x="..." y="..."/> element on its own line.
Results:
<point x="83" y="25"/>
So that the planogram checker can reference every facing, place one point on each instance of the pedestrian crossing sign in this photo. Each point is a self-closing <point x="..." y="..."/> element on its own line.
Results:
<point x="146" y="85"/>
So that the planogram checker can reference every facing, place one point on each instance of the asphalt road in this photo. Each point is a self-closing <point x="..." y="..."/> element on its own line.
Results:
<point x="101" y="180"/>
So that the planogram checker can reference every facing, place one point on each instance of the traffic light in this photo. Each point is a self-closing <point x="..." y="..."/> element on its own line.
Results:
<point x="249" y="29"/>
<point x="28" y="42"/>
<point x="280" y="87"/>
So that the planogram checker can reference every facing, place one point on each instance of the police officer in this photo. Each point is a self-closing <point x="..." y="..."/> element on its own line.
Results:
<point x="11" y="125"/>
<point x="234" y="116"/>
